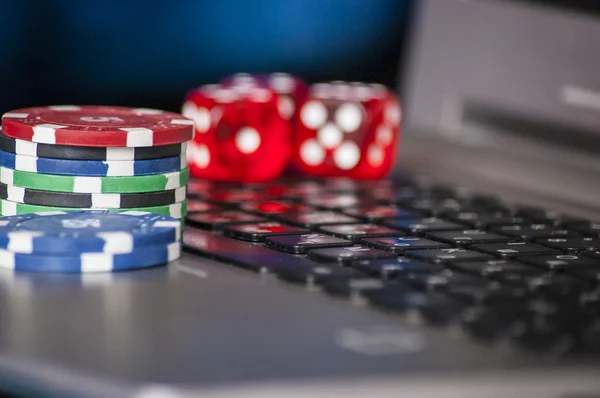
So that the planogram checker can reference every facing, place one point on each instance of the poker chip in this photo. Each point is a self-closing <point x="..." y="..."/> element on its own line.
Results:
<point x="116" y="168"/>
<point x="97" y="126"/>
<point x="92" y="188"/>
<point x="102" y="231"/>
<point x="91" y="200"/>
<point x="83" y="184"/>
<point x="9" y="208"/>
<point x="91" y="262"/>
<point x="27" y="148"/>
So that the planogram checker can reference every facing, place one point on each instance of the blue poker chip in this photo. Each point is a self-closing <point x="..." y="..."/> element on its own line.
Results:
<point x="146" y="257"/>
<point x="108" y="168"/>
<point x="87" y="231"/>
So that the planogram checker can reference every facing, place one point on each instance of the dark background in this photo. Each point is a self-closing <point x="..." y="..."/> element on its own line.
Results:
<point x="148" y="53"/>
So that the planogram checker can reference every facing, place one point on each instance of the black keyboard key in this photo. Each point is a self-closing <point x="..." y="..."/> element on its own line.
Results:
<point x="561" y="262"/>
<point x="434" y="308"/>
<point x="592" y="275"/>
<point x="547" y="309"/>
<point x="471" y="294"/>
<point x="556" y="286"/>
<point x="275" y="191"/>
<point x="257" y="232"/>
<point x="446" y="280"/>
<point x="408" y="196"/>
<point x="540" y="215"/>
<point x="434" y="203"/>
<point x="317" y="274"/>
<point x="381" y="195"/>
<point x="448" y="255"/>
<point x="337" y="201"/>
<point x="480" y="220"/>
<point x="341" y="184"/>
<point x="405" y="180"/>
<point x="593" y="254"/>
<point x="487" y="323"/>
<point x="393" y="296"/>
<point x="200" y="206"/>
<point x="347" y="255"/>
<point x="243" y="254"/>
<point x="485" y="202"/>
<point x="489" y="294"/>
<point x="268" y="207"/>
<point x="373" y="185"/>
<point x="380" y="212"/>
<point x="413" y="225"/>
<point x="438" y="310"/>
<point x="234" y="196"/>
<point x="390" y="268"/>
<point x="358" y="231"/>
<point x="547" y="334"/>
<point x="442" y="192"/>
<point x="295" y="190"/>
<point x="197" y="187"/>
<point x="351" y="286"/>
<point x="590" y="303"/>
<point x="301" y="244"/>
<point x="571" y="244"/>
<point x="218" y="220"/>
<point x="449" y="206"/>
<point x="589" y="337"/>
<point x="513" y="249"/>
<point x="468" y="236"/>
<point x="400" y="244"/>
<point x="532" y="231"/>
<point x="533" y="323"/>
<point x="589" y="228"/>
<point x="500" y="270"/>
<point x="315" y="218"/>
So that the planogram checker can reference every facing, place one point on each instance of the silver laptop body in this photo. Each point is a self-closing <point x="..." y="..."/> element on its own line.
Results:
<point x="500" y="97"/>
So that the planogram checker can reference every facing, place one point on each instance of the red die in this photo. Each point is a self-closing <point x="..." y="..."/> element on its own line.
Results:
<point x="291" y="89"/>
<point x="347" y="129"/>
<point x="240" y="135"/>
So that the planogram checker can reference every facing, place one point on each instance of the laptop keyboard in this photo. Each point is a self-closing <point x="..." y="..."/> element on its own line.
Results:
<point x="521" y="274"/>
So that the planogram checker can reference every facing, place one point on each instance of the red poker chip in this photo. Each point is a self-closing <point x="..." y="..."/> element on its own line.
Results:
<point x="107" y="126"/>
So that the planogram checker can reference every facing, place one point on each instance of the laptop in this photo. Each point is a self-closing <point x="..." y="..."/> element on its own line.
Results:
<point x="473" y="271"/>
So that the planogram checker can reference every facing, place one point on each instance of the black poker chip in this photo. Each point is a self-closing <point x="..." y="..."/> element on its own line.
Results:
<point x="28" y="148"/>
<point x="91" y="200"/>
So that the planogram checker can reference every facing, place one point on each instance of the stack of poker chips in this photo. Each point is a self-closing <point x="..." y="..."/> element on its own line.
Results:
<point x="67" y="158"/>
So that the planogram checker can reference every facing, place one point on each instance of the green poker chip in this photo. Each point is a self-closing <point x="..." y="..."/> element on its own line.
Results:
<point x="83" y="184"/>
<point x="8" y="208"/>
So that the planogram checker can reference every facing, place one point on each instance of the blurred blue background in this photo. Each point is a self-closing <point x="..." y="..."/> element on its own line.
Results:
<point x="150" y="52"/>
